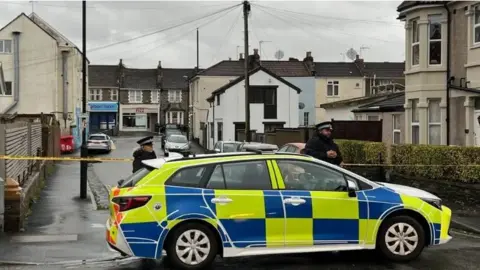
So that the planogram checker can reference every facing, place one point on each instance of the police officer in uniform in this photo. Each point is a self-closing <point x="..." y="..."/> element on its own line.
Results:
<point x="322" y="146"/>
<point x="144" y="152"/>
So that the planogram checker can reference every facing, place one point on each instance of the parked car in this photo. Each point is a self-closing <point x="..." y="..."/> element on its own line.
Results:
<point x="226" y="146"/>
<point x="177" y="143"/>
<point x="99" y="142"/>
<point x="168" y="132"/>
<point x="254" y="207"/>
<point x="255" y="146"/>
<point x="298" y="148"/>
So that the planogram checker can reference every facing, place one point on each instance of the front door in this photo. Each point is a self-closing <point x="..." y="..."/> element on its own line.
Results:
<point x="249" y="211"/>
<point x="476" y="130"/>
<point x="318" y="208"/>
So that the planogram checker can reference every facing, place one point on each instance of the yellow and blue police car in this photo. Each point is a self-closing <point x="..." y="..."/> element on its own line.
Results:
<point x="245" y="204"/>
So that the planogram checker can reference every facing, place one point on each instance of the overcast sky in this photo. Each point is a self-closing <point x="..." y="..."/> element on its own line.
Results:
<point x="328" y="29"/>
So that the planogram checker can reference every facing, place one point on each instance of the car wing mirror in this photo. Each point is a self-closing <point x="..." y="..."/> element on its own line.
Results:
<point x="120" y="182"/>
<point x="352" y="188"/>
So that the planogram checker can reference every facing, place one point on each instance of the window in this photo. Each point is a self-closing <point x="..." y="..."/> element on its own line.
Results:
<point x="291" y="149"/>
<point x="476" y="25"/>
<point x="95" y="94"/>
<point x="372" y="117"/>
<point x="132" y="120"/>
<point x="267" y="96"/>
<point x="283" y="148"/>
<point x="218" y="100"/>
<point x="435" y="39"/>
<point x="358" y="117"/>
<point x="174" y="117"/>
<point x="434" y="122"/>
<point x="188" y="177"/>
<point x="154" y="96"/>
<point x="300" y="175"/>
<point x="305" y="119"/>
<point x="415" y="43"/>
<point x="332" y="88"/>
<point x="135" y="96"/>
<point x="8" y="89"/>
<point x="5" y="46"/>
<point x="219" y="131"/>
<point x="174" y="96"/>
<point x="114" y="94"/>
<point x="415" y="122"/>
<point x="229" y="147"/>
<point x="212" y="130"/>
<point x="252" y="175"/>
<point x="396" y="129"/>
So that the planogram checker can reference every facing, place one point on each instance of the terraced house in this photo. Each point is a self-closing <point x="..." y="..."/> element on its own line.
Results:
<point x="442" y="90"/>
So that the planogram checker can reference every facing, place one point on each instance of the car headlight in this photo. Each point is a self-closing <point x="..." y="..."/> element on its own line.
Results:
<point x="433" y="202"/>
<point x="186" y="146"/>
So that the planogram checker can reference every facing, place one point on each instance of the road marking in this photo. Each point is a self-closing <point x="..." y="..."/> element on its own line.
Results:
<point x="43" y="238"/>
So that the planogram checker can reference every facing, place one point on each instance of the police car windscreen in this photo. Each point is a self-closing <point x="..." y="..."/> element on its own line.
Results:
<point x="177" y="139"/>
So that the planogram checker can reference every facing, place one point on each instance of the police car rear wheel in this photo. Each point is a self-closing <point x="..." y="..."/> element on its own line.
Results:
<point x="401" y="238"/>
<point x="193" y="246"/>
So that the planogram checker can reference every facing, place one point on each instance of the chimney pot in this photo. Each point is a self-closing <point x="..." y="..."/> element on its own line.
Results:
<point x="309" y="54"/>
<point x="159" y="64"/>
<point x="255" y="51"/>
<point x="357" y="57"/>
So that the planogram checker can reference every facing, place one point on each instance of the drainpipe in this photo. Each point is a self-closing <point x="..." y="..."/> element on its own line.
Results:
<point x="16" y="67"/>
<point x="65" y="86"/>
<point x="448" y="72"/>
<point x="213" y="121"/>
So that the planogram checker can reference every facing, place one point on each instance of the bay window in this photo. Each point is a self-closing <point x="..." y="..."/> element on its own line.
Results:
<point x="415" y="122"/>
<point x="434" y="122"/>
<point x="476" y="25"/>
<point x="434" y="39"/>
<point x="415" y="43"/>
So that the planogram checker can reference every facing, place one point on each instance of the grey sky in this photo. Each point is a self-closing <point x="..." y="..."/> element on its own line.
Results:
<point x="325" y="28"/>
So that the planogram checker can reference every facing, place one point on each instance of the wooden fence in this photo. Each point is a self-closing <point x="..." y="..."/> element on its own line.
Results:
<point x="26" y="138"/>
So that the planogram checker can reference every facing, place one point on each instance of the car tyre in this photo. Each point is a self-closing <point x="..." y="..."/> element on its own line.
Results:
<point x="401" y="239"/>
<point x="179" y="248"/>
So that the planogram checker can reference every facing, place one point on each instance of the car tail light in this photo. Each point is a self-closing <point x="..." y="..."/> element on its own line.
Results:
<point x="129" y="203"/>
<point x="89" y="141"/>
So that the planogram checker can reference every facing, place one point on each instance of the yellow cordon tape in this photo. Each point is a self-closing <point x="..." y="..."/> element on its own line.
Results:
<point x="65" y="158"/>
<point x="90" y="159"/>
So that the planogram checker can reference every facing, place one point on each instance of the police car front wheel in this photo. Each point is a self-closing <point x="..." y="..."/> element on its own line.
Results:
<point x="192" y="246"/>
<point x="401" y="238"/>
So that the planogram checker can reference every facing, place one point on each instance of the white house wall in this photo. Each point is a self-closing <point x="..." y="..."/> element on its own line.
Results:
<point x="343" y="113"/>
<point x="232" y="107"/>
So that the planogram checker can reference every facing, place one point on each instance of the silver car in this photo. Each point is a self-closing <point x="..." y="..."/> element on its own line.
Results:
<point x="99" y="142"/>
<point x="177" y="143"/>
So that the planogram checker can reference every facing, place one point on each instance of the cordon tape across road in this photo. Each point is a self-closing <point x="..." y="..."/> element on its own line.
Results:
<point x="107" y="159"/>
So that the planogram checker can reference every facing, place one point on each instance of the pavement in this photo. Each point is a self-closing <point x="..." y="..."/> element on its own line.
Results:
<point x="65" y="232"/>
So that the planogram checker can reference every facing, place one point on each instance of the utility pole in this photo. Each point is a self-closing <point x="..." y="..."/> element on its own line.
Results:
<point x="198" y="50"/>
<point x="84" y="150"/>
<point x="246" y="11"/>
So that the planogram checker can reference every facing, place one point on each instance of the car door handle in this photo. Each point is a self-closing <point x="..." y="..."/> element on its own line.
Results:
<point x="294" y="201"/>
<point x="221" y="200"/>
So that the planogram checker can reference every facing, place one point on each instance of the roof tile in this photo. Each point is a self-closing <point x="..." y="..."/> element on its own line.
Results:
<point x="236" y="68"/>
<point x="336" y="69"/>
<point x="102" y="75"/>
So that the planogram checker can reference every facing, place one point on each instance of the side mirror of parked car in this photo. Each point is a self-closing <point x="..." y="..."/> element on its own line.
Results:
<point x="352" y="189"/>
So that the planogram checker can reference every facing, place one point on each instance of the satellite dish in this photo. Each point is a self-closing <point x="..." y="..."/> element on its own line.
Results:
<point x="301" y="105"/>
<point x="351" y="54"/>
<point x="279" y="55"/>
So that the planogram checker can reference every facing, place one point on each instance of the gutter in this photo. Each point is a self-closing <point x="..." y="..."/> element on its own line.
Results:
<point x="16" y="67"/>
<point x="449" y="22"/>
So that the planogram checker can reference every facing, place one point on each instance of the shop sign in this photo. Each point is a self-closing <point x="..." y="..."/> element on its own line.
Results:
<point x="140" y="110"/>
<point x="99" y="106"/>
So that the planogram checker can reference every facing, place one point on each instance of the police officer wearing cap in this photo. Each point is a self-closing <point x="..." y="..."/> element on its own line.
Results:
<point x="144" y="152"/>
<point x="322" y="146"/>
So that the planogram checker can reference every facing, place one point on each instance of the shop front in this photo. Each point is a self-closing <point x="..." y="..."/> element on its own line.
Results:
<point x="103" y="115"/>
<point x="138" y="117"/>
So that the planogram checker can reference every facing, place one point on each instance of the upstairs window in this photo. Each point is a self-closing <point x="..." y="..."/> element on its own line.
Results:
<point x="8" y="89"/>
<point x="5" y="46"/>
<point x="415" y="43"/>
<point x="114" y="94"/>
<point x="175" y="96"/>
<point x="476" y="25"/>
<point x="434" y="39"/>
<point x="332" y="88"/>
<point x="135" y="96"/>
<point x="95" y="94"/>
<point x="154" y="96"/>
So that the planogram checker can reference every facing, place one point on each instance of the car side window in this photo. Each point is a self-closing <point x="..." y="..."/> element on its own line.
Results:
<point x="188" y="177"/>
<point x="291" y="149"/>
<point x="301" y="175"/>
<point x="284" y="148"/>
<point x="217" y="146"/>
<point x="251" y="175"/>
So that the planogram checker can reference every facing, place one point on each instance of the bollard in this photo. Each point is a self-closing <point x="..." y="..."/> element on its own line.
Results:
<point x="13" y="209"/>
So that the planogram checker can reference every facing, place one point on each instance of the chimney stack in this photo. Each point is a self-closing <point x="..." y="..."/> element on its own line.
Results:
<point x="255" y="51"/>
<point x="159" y="75"/>
<point x="309" y="62"/>
<point x="159" y="64"/>
<point x="121" y="62"/>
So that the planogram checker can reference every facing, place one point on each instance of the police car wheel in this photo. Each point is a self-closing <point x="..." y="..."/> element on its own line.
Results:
<point x="401" y="238"/>
<point x="192" y="246"/>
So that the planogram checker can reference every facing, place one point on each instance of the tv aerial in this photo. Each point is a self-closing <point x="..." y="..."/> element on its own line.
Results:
<point x="351" y="54"/>
<point x="279" y="54"/>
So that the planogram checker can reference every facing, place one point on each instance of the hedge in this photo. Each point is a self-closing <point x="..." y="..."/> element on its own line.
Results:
<point x="361" y="152"/>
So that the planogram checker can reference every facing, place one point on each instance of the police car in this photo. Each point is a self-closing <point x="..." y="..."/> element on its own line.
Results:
<point x="246" y="204"/>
